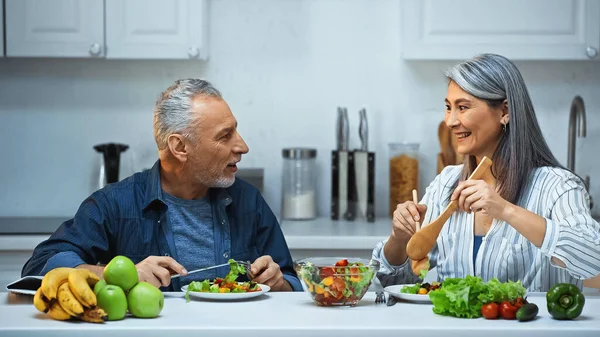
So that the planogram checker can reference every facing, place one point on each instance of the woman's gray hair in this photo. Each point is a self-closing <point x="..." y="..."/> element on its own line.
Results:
<point x="522" y="147"/>
<point x="173" y="109"/>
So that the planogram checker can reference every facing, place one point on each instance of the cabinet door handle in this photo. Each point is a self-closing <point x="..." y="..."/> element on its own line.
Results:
<point x="193" y="52"/>
<point x="95" y="49"/>
<point x="591" y="52"/>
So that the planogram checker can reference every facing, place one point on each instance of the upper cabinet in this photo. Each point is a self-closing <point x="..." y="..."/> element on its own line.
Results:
<point x="156" y="29"/>
<point x="118" y="29"/>
<point x="1" y="29"/>
<point x="58" y="28"/>
<point x="519" y="30"/>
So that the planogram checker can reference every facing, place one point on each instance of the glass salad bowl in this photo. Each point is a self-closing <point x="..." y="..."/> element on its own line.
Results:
<point x="332" y="281"/>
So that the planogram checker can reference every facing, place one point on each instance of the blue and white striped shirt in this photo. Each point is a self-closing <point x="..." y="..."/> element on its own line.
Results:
<point x="572" y="236"/>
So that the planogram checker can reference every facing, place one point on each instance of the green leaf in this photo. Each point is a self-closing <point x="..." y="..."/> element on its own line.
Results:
<point x="411" y="289"/>
<point x="464" y="297"/>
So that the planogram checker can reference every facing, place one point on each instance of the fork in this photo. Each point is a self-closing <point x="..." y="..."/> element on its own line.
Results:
<point x="246" y="265"/>
<point x="380" y="297"/>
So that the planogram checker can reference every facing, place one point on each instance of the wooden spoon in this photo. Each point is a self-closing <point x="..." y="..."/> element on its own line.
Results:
<point x="417" y="266"/>
<point x="458" y="158"/>
<point x="423" y="241"/>
<point x="445" y="145"/>
<point x="440" y="162"/>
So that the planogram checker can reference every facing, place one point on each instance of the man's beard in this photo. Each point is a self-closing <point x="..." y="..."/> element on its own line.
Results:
<point x="220" y="182"/>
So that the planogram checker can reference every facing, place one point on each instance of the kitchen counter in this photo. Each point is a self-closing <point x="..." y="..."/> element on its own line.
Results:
<point x="324" y="233"/>
<point x="321" y="233"/>
<point x="294" y="314"/>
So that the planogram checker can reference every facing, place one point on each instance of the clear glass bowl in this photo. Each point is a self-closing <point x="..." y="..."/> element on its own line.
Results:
<point x="332" y="282"/>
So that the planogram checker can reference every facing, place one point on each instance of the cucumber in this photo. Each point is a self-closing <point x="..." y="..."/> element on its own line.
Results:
<point x="527" y="312"/>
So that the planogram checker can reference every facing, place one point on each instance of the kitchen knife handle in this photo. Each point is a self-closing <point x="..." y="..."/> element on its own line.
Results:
<point x="363" y="130"/>
<point x="345" y="130"/>
<point x="342" y="129"/>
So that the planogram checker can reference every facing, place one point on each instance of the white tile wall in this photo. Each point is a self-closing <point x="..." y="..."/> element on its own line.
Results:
<point x="283" y="66"/>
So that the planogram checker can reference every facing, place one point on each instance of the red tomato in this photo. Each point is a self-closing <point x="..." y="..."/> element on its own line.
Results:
<point x="341" y="263"/>
<point x="338" y="285"/>
<point x="508" y="311"/>
<point x="326" y="272"/>
<point x="520" y="302"/>
<point x="490" y="310"/>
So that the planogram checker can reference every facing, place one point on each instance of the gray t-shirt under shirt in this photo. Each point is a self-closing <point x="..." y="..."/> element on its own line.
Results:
<point x="193" y="233"/>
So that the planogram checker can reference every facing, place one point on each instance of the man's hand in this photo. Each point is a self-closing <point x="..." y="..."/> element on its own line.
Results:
<point x="157" y="270"/>
<point x="266" y="271"/>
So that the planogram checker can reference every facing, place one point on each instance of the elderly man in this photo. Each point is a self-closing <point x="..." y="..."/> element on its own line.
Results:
<point x="187" y="212"/>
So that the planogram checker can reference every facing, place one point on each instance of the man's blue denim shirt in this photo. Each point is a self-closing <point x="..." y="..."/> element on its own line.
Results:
<point x="130" y="218"/>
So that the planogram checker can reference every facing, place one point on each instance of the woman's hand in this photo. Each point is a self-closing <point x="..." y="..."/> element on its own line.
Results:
<point x="405" y="217"/>
<point x="478" y="196"/>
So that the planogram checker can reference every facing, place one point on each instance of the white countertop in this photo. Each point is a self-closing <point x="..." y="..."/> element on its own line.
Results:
<point x="293" y="314"/>
<point x="324" y="233"/>
<point x="321" y="233"/>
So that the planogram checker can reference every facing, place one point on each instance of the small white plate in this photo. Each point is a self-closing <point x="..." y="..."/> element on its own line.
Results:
<point x="395" y="291"/>
<point x="227" y="296"/>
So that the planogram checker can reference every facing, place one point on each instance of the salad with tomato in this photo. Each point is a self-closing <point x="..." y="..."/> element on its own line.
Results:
<point x="465" y="297"/>
<point x="344" y="283"/>
<point x="421" y="288"/>
<point x="227" y="284"/>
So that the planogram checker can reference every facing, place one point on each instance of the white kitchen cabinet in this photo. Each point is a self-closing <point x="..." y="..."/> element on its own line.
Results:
<point x="519" y="30"/>
<point x="1" y="28"/>
<point x="58" y="28"/>
<point x="156" y="29"/>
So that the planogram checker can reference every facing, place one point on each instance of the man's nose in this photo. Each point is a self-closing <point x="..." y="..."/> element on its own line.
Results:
<point x="241" y="146"/>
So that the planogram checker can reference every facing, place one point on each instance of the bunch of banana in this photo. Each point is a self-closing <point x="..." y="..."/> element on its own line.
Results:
<point x="68" y="293"/>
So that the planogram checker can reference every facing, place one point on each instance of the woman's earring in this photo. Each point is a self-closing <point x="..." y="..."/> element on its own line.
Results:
<point x="503" y="127"/>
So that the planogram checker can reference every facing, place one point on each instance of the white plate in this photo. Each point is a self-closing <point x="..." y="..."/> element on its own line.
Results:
<point x="395" y="291"/>
<point x="227" y="296"/>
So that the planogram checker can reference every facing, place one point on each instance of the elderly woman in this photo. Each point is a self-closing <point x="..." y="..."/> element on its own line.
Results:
<point x="529" y="220"/>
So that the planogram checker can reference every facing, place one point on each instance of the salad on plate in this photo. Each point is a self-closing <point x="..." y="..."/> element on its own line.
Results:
<point x="227" y="284"/>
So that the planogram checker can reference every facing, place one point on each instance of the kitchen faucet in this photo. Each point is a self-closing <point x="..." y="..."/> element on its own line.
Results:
<point x="577" y="120"/>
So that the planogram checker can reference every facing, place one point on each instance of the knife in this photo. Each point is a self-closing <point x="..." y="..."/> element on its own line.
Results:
<point x="364" y="162"/>
<point x="201" y="269"/>
<point x="343" y="129"/>
<point x="363" y="130"/>
<point x="339" y="166"/>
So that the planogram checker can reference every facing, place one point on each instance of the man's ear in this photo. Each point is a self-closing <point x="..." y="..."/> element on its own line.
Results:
<point x="176" y="145"/>
<point x="505" y="114"/>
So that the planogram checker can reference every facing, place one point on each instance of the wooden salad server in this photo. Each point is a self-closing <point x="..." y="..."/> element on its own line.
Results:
<point x="423" y="241"/>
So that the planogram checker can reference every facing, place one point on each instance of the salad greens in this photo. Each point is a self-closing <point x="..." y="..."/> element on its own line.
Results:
<point x="412" y="289"/>
<point x="464" y="297"/>
<point x="227" y="284"/>
<point x="423" y="272"/>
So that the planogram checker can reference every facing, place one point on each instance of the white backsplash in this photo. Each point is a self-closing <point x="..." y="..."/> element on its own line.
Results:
<point x="284" y="67"/>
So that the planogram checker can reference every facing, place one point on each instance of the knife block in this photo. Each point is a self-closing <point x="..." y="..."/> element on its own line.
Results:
<point x="339" y="184"/>
<point x="353" y="185"/>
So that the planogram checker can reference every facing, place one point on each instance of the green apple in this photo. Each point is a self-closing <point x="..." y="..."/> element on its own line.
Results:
<point x="99" y="285"/>
<point x="145" y="300"/>
<point x="121" y="272"/>
<point x="112" y="299"/>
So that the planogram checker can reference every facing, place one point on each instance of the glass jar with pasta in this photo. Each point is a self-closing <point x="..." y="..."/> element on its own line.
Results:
<point x="404" y="172"/>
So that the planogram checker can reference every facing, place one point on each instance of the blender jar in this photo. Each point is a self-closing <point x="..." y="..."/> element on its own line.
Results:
<point x="299" y="197"/>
